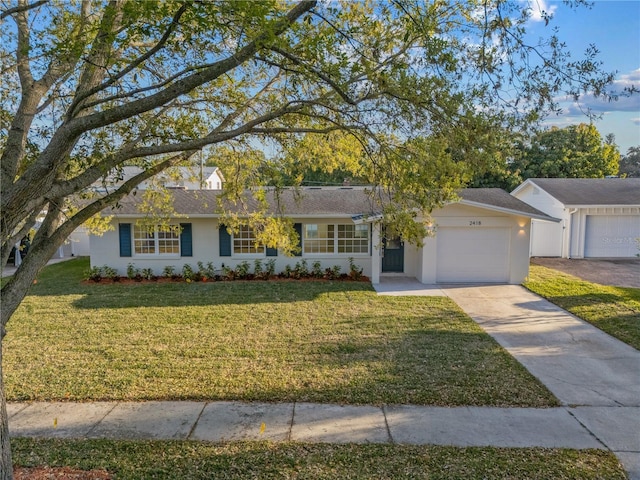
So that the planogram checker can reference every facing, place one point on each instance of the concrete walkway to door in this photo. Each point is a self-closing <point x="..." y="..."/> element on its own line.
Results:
<point x="593" y="374"/>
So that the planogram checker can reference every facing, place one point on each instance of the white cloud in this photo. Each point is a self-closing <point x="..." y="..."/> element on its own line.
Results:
<point x="539" y="6"/>
<point x="599" y="105"/>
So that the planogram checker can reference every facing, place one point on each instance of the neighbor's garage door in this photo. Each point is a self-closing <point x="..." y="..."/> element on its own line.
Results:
<point x="611" y="235"/>
<point x="472" y="255"/>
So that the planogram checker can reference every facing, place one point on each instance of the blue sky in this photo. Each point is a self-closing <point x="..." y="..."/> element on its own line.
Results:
<point x="614" y="27"/>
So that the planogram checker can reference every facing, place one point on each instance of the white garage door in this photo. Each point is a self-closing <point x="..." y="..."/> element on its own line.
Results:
<point x="472" y="255"/>
<point x="611" y="235"/>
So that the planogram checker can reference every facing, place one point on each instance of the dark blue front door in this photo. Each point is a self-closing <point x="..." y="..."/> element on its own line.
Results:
<point x="393" y="260"/>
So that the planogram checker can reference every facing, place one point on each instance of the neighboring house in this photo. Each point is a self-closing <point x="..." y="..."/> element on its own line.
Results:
<point x="484" y="237"/>
<point x="599" y="217"/>
<point x="186" y="178"/>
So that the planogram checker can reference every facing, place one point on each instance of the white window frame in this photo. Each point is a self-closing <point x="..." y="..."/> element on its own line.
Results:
<point x="313" y="242"/>
<point x="343" y="241"/>
<point x="335" y="239"/>
<point x="247" y="240"/>
<point x="153" y="238"/>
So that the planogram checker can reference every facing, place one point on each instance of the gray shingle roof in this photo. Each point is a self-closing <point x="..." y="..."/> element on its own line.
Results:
<point x="330" y="202"/>
<point x="592" y="191"/>
<point x="496" y="197"/>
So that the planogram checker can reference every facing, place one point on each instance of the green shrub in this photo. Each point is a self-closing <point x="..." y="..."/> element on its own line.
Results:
<point x="301" y="270"/>
<point x="316" y="269"/>
<point x="94" y="274"/>
<point x="147" y="274"/>
<point x="110" y="273"/>
<point x="188" y="273"/>
<point x="355" y="272"/>
<point x="270" y="267"/>
<point x="169" y="271"/>
<point x="242" y="270"/>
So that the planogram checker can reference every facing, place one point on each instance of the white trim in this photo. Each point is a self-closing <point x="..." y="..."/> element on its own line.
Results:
<point x="510" y="211"/>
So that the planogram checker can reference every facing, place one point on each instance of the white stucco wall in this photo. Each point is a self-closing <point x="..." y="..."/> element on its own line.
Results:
<point x="547" y="238"/>
<point x="206" y="248"/>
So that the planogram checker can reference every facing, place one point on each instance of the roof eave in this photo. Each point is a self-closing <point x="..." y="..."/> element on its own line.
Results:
<point x="510" y="211"/>
<point x="602" y="205"/>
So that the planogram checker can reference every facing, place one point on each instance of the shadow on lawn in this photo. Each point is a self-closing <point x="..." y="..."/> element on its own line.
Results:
<point x="621" y="295"/>
<point x="422" y="365"/>
<point x="205" y="294"/>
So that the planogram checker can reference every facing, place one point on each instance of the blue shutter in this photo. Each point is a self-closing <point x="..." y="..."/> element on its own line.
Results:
<point x="298" y="228"/>
<point x="272" y="252"/>
<point x="124" y="231"/>
<point x="225" y="241"/>
<point x="186" y="240"/>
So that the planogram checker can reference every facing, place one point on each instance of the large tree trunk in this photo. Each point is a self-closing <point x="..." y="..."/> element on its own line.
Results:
<point x="6" y="463"/>
<point x="12" y="295"/>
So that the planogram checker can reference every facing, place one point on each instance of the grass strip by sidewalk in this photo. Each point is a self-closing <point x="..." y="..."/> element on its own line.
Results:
<point x="614" y="310"/>
<point x="240" y="460"/>
<point x="325" y="342"/>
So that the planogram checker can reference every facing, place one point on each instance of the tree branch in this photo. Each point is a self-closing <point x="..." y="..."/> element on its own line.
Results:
<point x="315" y="71"/>
<point x="21" y="8"/>
<point x="39" y="174"/>
<point x="135" y="63"/>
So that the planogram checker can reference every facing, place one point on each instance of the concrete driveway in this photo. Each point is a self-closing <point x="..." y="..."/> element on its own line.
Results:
<point x="619" y="272"/>
<point x="592" y="373"/>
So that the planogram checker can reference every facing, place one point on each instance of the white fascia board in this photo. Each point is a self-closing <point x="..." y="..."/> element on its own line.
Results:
<point x="600" y="205"/>
<point x="509" y="211"/>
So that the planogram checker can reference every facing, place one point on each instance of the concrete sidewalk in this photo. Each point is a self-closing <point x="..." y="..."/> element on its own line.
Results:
<point x="307" y="422"/>
<point x="11" y="269"/>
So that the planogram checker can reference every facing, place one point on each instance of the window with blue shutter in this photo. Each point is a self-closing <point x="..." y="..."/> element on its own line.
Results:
<point x="124" y="231"/>
<point x="225" y="241"/>
<point x="186" y="240"/>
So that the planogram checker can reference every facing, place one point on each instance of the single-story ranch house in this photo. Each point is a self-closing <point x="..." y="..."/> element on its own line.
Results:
<point x="483" y="237"/>
<point x="600" y="217"/>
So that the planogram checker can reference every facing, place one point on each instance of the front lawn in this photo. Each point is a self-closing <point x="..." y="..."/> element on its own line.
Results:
<point x="615" y="310"/>
<point x="191" y="460"/>
<point x="335" y="342"/>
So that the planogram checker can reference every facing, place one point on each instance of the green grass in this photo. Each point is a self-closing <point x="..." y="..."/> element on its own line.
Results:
<point x="615" y="310"/>
<point x="335" y="342"/>
<point x="189" y="460"/>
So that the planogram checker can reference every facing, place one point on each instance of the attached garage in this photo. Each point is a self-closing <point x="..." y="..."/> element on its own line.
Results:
<point x="482" y="238"/>
<point x="611" y="235"/>
<point x="473" y="255"/>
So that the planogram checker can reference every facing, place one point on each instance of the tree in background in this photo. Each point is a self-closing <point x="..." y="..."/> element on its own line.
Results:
<point x="630" y="163"/>
<point x="90" y="86"/>
<point x="577" y="151"/>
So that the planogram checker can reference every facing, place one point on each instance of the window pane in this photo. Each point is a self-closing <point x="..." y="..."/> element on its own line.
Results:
<point x="144" y="241"/>
<point x="245" y="242"/>
<point x="318" y="238"/>
<point x="156" y="241"/>
<point x="353" y="239"/>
